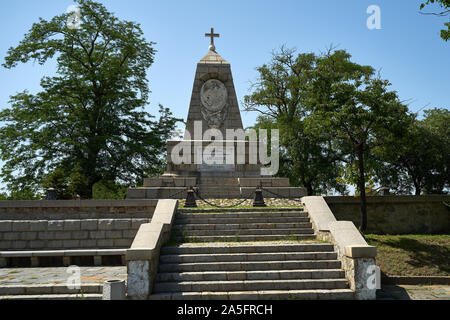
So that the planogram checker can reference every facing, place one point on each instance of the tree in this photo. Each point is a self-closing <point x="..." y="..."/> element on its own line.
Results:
<point x="90" y="116"/>
<point x="281" y="95"/>
<point x="420" y="161"/>
<point x="436" y="122"/>
<point x="445" y="5"/>
<point x="109" y="190"/>
<point x="355" y="108"/>
<point x="24" y="194"/>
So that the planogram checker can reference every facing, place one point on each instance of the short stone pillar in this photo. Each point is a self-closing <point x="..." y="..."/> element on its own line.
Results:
<point x="114" y="290"/>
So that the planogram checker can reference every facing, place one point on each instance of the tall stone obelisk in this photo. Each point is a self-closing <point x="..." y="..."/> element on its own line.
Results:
<point x="213" y="101"/>
<point x="213" y="105"/>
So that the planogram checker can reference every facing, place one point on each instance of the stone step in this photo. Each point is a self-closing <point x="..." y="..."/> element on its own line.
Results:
<point x="250" y="248"/>
<point x="204" y="220"/>
<point x="242" y="226"/>
<point x="243" y="232"/>
<point x="215" y="181"/>
<point x="228" y="257"/>
<point x="244" y="215"/>
<point x="89" y="296"/>
<point x="251" y="285"/>
<point x="243" y="238"/>
<point x="249" y="266"/>
<point x="322" y="294"/>
<point x="46" y="289"/>
<point x="250" y="275"/>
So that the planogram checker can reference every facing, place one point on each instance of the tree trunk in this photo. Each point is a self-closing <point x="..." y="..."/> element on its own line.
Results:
<point x="362" y="189"/>
<point x="309" y="189"/>
<point x="417" y="187"/>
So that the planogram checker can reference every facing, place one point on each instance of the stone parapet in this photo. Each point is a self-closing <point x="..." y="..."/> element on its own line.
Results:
<point x="85" y="209"/>
<point x="68" y="234"/>
<point x="143" y="255"/>
<point x="426" y="214"/>
<point x="357" y="257"/>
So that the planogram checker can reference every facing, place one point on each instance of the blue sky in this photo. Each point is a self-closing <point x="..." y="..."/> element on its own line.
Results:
<point x="407" y="49"/>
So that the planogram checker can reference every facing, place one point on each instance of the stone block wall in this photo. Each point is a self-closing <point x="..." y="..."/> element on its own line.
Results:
<point x="53" y="225"/>
<point x="396" y="214"/>
<point x="68" y="234"/>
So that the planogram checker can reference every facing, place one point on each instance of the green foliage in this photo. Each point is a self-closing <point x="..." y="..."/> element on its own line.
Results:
<point x="445" y="4"/>
<point x="332" y="114"/>
<point x="67" y="187"/>
<point x="355" y="109"/>
<point x="58" y="181"/>
<point x="90" y="115"/>
<point x="281" y="95"/>
<point x="107" y="190"/>
<point x="421" y="160"/>
<point x="25" y="194"/>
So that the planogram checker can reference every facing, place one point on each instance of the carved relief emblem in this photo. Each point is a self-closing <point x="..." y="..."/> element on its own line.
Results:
<point x="214" y="97"/>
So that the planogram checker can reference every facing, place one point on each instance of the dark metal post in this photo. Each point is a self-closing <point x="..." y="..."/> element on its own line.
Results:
<point x="51" y="194"/>
<point x="259" y="199"/>
<point x="190" y="199"/>
<point x="385" y="191"/>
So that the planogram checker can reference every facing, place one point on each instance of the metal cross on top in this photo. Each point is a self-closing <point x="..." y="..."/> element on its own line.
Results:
<point x="212" y="35"/>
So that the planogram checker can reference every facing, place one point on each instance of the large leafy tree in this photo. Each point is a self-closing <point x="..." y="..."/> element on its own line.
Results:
<point x="353" y="106"/>
<point x="89" y="118"/>
<point x="281" y="95"/>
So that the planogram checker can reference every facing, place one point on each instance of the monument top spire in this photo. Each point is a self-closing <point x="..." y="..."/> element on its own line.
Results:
<point x="212" y="35"/>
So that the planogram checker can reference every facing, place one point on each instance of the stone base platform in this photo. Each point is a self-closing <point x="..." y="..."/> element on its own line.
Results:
<point x="173" y="187"/>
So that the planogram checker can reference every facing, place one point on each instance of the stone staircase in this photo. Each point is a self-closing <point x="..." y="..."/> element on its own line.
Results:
<point x="248" y="255"/>
<point x="246" y="226"/>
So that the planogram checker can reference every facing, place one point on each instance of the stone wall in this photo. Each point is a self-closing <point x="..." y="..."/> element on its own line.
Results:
<point x="52" y="225"/>
<point x="396" y="214"/>
<point x="89" y="209"/>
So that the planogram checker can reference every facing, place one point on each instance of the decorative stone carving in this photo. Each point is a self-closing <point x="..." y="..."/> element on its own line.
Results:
<point x="214" y="97"/>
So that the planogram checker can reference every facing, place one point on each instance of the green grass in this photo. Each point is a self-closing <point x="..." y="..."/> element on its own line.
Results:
<point x="412" y="255"/>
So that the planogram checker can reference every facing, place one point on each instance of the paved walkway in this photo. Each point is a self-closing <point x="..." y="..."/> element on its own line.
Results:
<point x="34" y="276"/>
<point x="414" y="292"/>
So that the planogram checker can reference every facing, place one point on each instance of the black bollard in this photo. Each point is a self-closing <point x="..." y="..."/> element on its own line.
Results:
<point x="190" y="199"/>
<point x="51" y="194"/>
<point x="259" y="199"/>
<point x="385" y="191"/>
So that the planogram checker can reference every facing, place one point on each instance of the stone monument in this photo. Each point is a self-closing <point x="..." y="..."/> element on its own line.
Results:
<point x="215" y="154"/>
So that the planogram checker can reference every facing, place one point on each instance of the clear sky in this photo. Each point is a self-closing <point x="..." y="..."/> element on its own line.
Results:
<point x="407" y="48"/>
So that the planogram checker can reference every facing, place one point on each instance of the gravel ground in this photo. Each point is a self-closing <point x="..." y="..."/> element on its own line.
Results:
<point x="270" y="202"/>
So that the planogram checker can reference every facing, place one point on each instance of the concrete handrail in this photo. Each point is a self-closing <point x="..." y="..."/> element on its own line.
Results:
<point x="357" y="257"/>
<point x="143" y="256"/>
<point x="350" y="241"/>
<point x="320" y="212"/>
